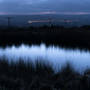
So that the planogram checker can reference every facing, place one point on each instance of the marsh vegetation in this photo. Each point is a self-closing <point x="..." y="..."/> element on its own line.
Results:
<point x="40" y="75"/>
<point x="26" y="75"/>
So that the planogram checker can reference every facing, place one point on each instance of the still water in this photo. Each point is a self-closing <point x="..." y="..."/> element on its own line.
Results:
<point x="58" y="56"/>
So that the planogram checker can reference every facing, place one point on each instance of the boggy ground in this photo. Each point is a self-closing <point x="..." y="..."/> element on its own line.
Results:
<point x="23" y="75"/>
<point x="69" y="37"/>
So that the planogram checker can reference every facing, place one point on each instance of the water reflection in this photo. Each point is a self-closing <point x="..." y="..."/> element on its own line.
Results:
<point x="80" y="60"/>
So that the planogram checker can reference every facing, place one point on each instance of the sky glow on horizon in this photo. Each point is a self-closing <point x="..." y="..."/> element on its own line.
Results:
<point x="68" y="7"/>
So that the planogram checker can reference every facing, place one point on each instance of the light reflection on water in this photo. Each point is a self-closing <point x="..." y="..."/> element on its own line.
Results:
<point x="80" y="60"/>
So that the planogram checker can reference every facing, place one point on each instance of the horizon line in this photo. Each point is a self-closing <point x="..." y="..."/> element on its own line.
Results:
<point x="47" y="13"/>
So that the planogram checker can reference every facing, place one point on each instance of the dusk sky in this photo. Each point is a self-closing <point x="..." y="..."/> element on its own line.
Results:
<point x="44" y="6"/>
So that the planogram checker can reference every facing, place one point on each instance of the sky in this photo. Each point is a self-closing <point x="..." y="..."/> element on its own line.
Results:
<point x="44" y="6"/>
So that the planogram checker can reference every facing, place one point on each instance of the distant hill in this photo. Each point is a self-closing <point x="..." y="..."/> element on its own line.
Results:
<point x="65" y="20"/>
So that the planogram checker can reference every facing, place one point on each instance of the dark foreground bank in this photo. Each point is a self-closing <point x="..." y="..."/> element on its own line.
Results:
<point x="68" y="37"/>
<point x="40" y="76"/>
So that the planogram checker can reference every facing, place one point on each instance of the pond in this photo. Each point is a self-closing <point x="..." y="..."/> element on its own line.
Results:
<point x="58" y="56"/>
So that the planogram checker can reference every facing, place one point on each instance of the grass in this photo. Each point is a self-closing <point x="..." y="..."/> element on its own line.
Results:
<point x="23" y="75"/>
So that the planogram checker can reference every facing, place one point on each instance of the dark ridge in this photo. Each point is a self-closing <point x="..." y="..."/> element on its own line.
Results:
<point x="74" y="37"/>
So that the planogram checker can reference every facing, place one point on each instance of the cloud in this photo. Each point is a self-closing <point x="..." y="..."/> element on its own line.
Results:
<point x="36" y="6"/>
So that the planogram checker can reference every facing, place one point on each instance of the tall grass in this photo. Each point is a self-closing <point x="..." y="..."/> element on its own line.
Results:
<point x="25" y="75"/>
